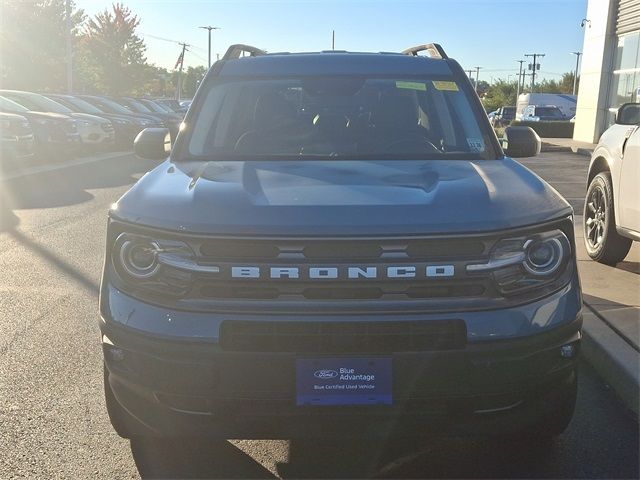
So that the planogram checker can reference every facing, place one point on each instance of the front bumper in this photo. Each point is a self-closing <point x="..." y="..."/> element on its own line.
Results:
<point x="180" y="386"/>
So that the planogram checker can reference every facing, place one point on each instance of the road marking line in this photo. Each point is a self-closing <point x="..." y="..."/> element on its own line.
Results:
<point x="60" y="166"/>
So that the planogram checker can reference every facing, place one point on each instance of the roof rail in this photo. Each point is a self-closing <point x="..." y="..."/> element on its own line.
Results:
<point x="433" y="49"/>
<point x="235" y="51"/>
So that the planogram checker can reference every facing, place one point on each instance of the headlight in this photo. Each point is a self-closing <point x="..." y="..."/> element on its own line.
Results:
<point x="84" y="123"/>
<point x="153" y="265"/>
<point x="138" y="256"/>
<point x="525" y="263"/>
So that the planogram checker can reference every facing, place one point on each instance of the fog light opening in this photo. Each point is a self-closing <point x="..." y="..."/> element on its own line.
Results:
<point x="116" y="354"/>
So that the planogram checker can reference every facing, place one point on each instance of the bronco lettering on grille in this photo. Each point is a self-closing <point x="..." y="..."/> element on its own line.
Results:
<point x="346" y="272"/>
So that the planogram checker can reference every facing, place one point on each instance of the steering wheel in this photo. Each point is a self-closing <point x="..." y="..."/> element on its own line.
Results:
<point x="416" y="142"/>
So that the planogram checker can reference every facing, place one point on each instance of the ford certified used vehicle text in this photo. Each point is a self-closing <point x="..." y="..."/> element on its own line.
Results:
<point x="338" y="245"/>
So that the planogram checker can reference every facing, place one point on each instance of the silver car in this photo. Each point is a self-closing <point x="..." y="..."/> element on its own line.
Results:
<point x="612" y="206"/>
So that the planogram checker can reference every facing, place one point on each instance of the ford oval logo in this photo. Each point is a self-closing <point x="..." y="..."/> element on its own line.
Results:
<point x="325" y="374"/>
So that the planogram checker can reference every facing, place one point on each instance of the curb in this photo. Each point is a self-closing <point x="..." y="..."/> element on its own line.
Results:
<point x="617" y="362"/>
<point x="585" y="152"/>
<point x="60" y="166"/>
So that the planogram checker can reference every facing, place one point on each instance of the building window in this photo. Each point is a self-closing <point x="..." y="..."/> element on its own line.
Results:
<point x="625" y="85"/>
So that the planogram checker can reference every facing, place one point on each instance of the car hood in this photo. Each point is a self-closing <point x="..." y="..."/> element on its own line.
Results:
<point x="45" y="115"/>
<point x="88" y="117"/>
<point x="340" y="197"/>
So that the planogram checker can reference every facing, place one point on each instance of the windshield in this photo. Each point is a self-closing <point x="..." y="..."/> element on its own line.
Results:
<point x="549" y="112"/>
<point x="7" y="105"/>
<point x="155" y="107"/>
<point x="79" y="104"/>
<point x="338" y="117"/>
<point x="38" y="103"/>
<point x="108" y="105"/>
<point x="137" y="106"/>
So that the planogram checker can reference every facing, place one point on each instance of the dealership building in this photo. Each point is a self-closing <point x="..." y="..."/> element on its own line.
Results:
<point x="610" y="71"/>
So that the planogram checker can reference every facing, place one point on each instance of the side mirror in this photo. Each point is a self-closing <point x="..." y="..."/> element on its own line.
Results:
<point x="521" y="142"/>
<point x="153" y="143"/>
<point x="628" y="114"/>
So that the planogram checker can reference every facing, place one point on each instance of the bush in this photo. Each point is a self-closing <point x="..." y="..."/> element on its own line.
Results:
<point x="563" y="129"/>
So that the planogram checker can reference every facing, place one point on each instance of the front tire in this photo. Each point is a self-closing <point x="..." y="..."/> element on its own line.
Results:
<point x="602" y="241"/>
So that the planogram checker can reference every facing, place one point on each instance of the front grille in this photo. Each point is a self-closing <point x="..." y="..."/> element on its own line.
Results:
<point x="20" y="128"/>
<point x="339" y="251"/>
<point x="342" y="337"/>
<point x="70" y="126"/>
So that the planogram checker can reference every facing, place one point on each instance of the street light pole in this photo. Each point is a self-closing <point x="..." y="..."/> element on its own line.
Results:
<point x="519" y="76"/>
<point x="69" y="50"/>
<point x="477" y="77"/>
<point x="575" y="76"/>
<point x="209" y="28"/>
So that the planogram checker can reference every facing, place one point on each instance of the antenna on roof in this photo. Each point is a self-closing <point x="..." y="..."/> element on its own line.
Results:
<point x="333" y="40"/>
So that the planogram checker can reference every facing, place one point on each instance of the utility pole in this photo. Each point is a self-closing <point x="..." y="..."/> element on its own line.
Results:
<point x="210" y="28"/>
<point x="69" y="50"/>
<point x="533" y="67"/>
<point x="575" y="76"/>
<point x="519" y="79"/>
<point x="477" y="77"/>
<point x="181" y="62"/>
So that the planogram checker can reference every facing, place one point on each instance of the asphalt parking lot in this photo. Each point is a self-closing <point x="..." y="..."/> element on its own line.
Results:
<point x="52" y="417"/>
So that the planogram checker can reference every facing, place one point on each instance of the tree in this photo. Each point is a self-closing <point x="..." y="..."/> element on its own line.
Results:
<point x="192" y="79"/>
<point x="113" y="56"/>
<point x="33" y="36"/>
<point x="500" y="93"/>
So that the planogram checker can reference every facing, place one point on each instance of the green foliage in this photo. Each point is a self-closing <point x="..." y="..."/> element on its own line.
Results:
<point x="112" y="56"/>
<point x="564" y="85"/>
<point x="33" y="36"/>
<point x="191" y="80"/>
<point x="549" y="129"/>
<point x="501" y="93"/>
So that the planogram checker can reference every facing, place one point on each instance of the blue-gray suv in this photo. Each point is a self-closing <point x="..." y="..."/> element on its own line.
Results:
<point x="338" y="245"/>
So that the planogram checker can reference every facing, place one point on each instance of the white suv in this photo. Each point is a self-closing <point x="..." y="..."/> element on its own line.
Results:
<point x="612" y="205"/>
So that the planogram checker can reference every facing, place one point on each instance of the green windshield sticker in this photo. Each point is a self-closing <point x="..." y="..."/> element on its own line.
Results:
<point x="446" y="86"/>
<point x="412" y="86"/>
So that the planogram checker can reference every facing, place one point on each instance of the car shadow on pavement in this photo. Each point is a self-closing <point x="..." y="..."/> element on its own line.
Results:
<point x="194" y="458"/>
<point x="65" y="186"/>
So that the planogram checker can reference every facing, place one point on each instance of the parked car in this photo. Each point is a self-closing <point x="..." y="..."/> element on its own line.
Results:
<point x="566" y="103"/>
<point x="312" y="260"/>
<point x="503" y="117"/>
<point x="157" y="107"/>
<point x="173" y="104"/>
<point x="545" y="113"/>
<point x="55" y="134"/>
<point x="16" y="141"/>
<point x="96" y="133"/>
<point x="126" y="128"/>
<point x="109" y="106"/>
<point x="611" y="217"/>
<point x="171" y="120"/>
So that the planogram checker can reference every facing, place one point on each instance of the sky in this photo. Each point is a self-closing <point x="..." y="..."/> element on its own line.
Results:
<point x="492" y="34"/>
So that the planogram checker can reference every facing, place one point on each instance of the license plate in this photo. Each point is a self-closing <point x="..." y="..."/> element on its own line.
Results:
<point x="344" y="381"/>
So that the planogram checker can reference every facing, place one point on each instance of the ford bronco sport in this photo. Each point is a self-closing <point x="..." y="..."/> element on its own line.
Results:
<point x="337" y="244"/>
